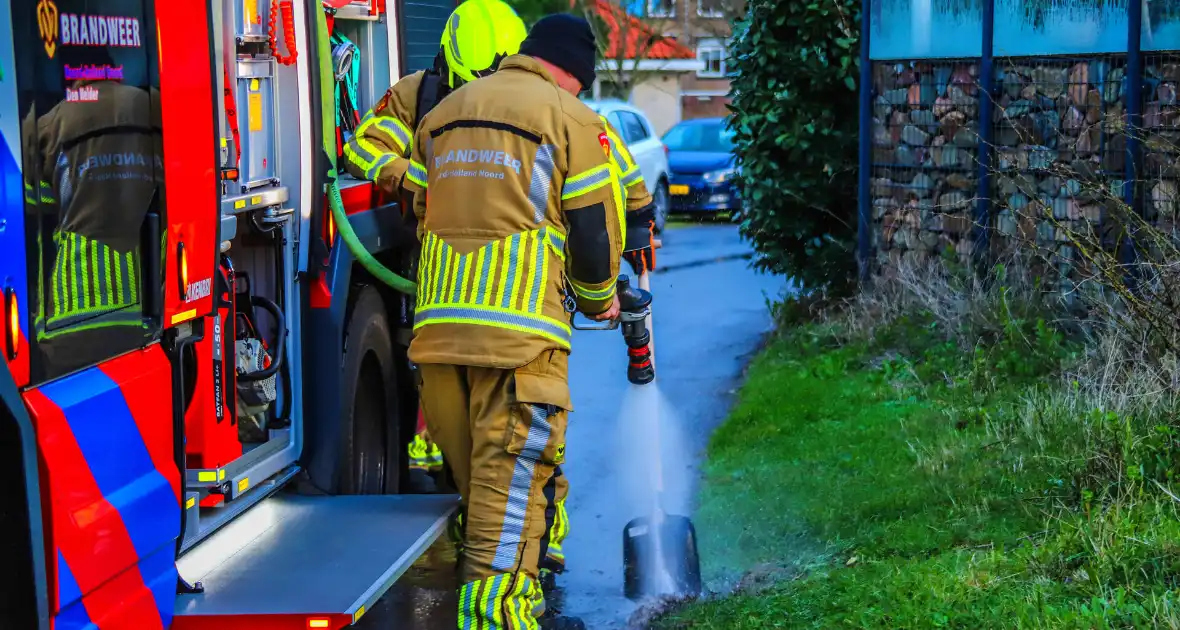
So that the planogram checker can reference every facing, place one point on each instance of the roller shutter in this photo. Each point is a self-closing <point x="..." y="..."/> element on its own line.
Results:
<point x="422" y="23"/>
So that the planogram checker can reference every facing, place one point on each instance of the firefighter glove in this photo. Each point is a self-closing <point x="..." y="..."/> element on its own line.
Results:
<point x="639" y="251"/>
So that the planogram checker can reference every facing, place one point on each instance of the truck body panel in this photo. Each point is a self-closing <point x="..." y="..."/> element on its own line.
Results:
<point x="136" y="415"/>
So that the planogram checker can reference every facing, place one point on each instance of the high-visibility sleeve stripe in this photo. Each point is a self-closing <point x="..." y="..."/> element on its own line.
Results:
<point x="587" y="293"/>
<point x="363" y="147"/>
<point x="586" y="182"/>
<point x="416" y="173"/>
<point x="357" y="155"/>
<point x="373" y="172"/>
<point x="634" y="177"/>
<point x="396" y="130"/>
<point x="620" y="159"/>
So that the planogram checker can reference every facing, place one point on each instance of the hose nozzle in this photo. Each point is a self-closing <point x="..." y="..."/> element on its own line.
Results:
<point x="634" y="306"/>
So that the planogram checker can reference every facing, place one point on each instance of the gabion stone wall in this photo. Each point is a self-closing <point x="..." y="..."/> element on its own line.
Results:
<point x="1059" y="158"/>
<point x="925" y="142"/>
<point x="1161" y="129"/>
<point x="1058" y="163"/>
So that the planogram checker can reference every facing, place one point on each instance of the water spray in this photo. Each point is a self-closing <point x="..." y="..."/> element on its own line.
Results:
<point x="660" y="556"/>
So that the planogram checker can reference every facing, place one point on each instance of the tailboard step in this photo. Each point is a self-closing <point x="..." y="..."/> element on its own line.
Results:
<point x="307" y="561"/>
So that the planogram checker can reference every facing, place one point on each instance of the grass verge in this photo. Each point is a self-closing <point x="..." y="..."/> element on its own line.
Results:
<point x="945" y="454"/>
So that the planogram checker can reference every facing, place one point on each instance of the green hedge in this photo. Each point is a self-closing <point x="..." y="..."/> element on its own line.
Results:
<point x="795" y="119"/>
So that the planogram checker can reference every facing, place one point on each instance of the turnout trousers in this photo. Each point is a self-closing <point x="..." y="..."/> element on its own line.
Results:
<point x="502" y="432"/>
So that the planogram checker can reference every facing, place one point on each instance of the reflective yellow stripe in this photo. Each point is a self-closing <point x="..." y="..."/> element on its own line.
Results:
<point x="433" y="288"/>
<point x="416" y="173"/>
<point x="493" y="267"/>
<point x="426" y="259"/>
<point x="452" y="265"/>
<point x="504" y="260"/>
<point x="475" y="273"/>
<point x="363" y="144"/>
<point x="593" y="294"/>
<point x="537" y="293"/>
<point x="444" y="256"/>
<point x="620" y="197"/>
<point x="394" y="129"/>
<point x="473" y="288"/>
<point x="468" y="600"/>
<point x="491" y="610"/>
<point x="586" y="182"/>
<point x="522" y="261"/>
<point x="422" y="262"/>
<point x="535" y="245"/>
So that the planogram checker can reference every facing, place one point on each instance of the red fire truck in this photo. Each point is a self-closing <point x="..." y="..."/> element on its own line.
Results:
<point x="207" y="398"/>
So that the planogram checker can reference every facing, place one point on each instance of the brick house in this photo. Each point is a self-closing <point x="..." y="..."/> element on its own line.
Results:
<point x="704" y="26"/>
<point x="638" y="55"/>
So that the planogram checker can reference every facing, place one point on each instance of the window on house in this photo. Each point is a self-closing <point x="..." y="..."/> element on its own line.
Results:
<point x="661" y="8"/>
<point x="712" y="54"/>
<point x="711" y="8"/>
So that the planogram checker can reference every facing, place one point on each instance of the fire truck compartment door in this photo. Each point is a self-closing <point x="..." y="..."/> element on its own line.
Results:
<point x="308" y="556"/>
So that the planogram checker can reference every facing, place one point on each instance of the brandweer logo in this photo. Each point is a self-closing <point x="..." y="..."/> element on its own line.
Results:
<point x="47" y="24"/>
<point x="475" y="156"/>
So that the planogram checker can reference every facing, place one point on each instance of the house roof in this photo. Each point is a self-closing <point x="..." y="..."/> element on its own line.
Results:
<point x="634" y="35"/>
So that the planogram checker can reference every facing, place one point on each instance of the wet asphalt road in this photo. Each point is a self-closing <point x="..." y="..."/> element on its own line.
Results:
<point x="709" y="315"/>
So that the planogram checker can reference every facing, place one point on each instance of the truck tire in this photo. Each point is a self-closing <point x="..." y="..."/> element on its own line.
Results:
<point x="370" y="461"/>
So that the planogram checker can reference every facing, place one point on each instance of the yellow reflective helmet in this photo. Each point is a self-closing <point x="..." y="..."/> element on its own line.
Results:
<point x="479" y="34"/>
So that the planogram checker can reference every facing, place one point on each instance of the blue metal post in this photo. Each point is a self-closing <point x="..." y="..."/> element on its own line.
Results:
<point x="987" y="81"/>
<point x="865" y="149"/>
<point x="1134" y="96"/>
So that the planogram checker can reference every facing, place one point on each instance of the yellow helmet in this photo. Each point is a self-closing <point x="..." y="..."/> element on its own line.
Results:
<point x="478" y="35"/>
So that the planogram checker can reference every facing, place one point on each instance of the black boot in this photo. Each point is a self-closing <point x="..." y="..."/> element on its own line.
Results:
<point x="560" y="622"/>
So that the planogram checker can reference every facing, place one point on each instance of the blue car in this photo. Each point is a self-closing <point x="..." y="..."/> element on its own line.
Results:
<point x="703" y="168"/>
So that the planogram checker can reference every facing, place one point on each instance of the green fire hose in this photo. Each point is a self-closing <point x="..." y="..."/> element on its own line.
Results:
<point x="343" y="226"/>
<point x="371" y="264"/>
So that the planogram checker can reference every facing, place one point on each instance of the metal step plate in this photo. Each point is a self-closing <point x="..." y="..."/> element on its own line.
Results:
<point x="307" y="558"/>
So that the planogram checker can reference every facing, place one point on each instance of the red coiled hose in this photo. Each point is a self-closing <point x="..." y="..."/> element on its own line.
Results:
<point x="288" y="32"/>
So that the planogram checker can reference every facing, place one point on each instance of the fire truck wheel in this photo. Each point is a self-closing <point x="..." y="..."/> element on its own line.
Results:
<point x="370" y="460"/>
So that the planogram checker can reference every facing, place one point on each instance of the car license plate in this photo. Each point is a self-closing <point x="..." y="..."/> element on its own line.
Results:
<point x="678" y="189"/>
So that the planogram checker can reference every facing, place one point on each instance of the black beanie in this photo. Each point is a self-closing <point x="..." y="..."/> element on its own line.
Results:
<point x="565" y="41"/>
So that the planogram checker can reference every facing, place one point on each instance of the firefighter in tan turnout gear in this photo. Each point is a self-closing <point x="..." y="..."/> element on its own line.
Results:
<point x="479" y="34"/>
<point x="521" y="221"/>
